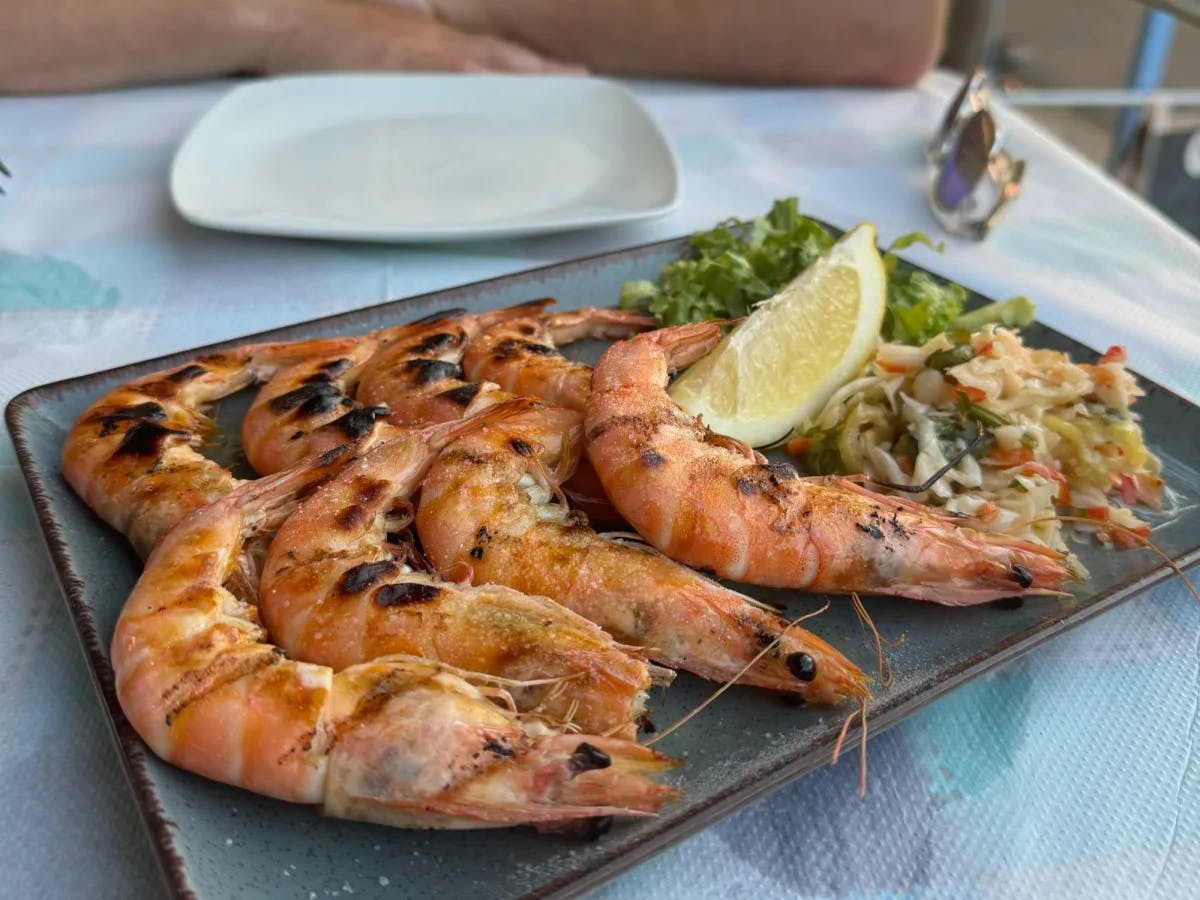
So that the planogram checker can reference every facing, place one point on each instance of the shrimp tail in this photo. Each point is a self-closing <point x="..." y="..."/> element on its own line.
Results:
<point x="597" y="323"/>
<point x="495" y="317"/>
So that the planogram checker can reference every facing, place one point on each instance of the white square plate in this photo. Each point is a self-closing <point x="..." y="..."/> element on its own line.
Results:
<point x="423" y="157"/>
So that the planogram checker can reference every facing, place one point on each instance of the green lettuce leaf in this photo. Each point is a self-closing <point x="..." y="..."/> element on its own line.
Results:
<point x="736" y="265"/>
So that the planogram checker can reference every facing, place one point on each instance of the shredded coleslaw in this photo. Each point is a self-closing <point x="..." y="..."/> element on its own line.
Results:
<point x="1053" y="435"/>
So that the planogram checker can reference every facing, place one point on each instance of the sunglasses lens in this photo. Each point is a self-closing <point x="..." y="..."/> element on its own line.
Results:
<point x="966" y="162"/>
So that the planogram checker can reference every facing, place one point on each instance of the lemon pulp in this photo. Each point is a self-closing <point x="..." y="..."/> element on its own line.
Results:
<point x="784" y="362"/>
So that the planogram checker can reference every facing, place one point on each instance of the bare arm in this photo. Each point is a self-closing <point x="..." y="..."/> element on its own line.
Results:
<point x="58" y="45"/>
<point x="786" y="41"/>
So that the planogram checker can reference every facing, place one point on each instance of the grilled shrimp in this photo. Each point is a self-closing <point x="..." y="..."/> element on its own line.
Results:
<point x="401" y="741"/>
<point x="707" y="501"/>
<point x="337" y="589"/>
<point x="521" y="355"/>
<point x="488" y="502"/>
<point x="132" y="455"/>
<point x="421" y="378"/>
<point x="308" y="407"/>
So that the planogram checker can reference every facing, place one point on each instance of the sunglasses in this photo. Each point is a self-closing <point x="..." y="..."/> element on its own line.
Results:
<point x="971" y="178"/>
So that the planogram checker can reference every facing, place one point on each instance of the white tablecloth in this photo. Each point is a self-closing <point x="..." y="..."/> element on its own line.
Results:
<point x="1071" y="771"/>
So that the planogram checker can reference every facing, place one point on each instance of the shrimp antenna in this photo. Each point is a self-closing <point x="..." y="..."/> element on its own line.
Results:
<point x="746" y="668"/>
<point x="1132" y="533"/>
<point x="940" y="473"/>
<point x="882" y="667"/>
<point x="837" y="747"/>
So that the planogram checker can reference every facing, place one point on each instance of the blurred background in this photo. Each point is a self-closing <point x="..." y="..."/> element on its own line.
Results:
<point x="1071" y="64"/>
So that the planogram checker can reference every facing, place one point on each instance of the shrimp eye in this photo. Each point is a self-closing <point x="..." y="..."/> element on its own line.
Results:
<point x="587" y="757"/>
<point x="802" y="666"/>
<point x="1022" y="575"/>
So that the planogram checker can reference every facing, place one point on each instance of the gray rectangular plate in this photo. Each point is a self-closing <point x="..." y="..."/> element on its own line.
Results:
<point x="216" y="841"/>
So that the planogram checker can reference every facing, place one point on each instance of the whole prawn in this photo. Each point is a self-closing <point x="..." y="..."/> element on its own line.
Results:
<point x="490" y="502"/>
<point x="707" y="501"/>
<point x="422" y="378"/>
<point x="521" y="353"/>
<point x="401" y="740"/>
<point x="337" y="589"/>
<point x="132" y="455"/>
<point x="309" y="407"/>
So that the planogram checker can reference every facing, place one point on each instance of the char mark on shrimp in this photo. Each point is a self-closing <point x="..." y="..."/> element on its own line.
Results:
<point x="405" y="593"/>
<point x="499" y="747"/>
<point x="652" y="459"/>
<point x="332" y="455"/>
<point x="430" y="371"/>
<point x="435" y="342"/>
<point x="359" y="422"/>
<point x="520" y="447"/>
<point x="897" y="527"/>
<point x="482" y="536"/>
<point x="870" y="529"/>
<point x="322" y="404"/>
<point x="470" y="457"/>
<point x="362" y="576"/>
<point x="514" y="347"/>
<point x="463" y="394"/>
<point x="146" y="412"/>
<point x="352" y="518"/>
<point x="306" y="394"/>
<point x="370" y="490"/>
<point x="146" y="439"/>
<point x="187" y="373"/>
<point x="781" y="472"/>
<point x="336" y="367"/>
<point x="225" y="669"/>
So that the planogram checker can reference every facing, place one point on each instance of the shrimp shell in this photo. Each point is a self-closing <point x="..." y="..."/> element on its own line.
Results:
<point x="401" y="741"/>
<point x="335" y="591"/>
<point x="132" y="455"/>
<point x="488" y="503"/>
<point x="521" y="354"/>
<point x="707" y="501"/>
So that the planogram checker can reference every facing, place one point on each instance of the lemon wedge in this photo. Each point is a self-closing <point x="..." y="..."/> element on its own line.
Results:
<point x="781" y="365"/>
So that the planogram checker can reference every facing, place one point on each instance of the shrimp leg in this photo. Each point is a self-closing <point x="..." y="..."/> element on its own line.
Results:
<point x="490" y="501"/>
<point x="337" y="590"/>
<point x="705" y="501"/>
<point x="401" y="741"/>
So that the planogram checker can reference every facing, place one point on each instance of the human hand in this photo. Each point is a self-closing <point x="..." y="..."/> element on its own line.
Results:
<point x="324" y="35"/>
